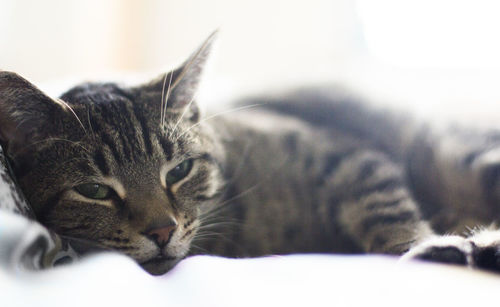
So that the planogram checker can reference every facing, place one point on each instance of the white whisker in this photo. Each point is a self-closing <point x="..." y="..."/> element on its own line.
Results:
<point x="186" y="109"/>
<point x="218" y="114"/>
<point x="203" y="228"/>
<point x="169" y="89"/>
<point x="90" y="125"/>
<point x="161" y="102"/>
<point x="72" y="111"/>
<point x="53" y="139"/>
<point x="224" y="205"/>
<point x="199" y="248"/>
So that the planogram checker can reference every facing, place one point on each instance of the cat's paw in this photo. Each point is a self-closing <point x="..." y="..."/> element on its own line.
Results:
<point x="481" y="250"/>
<point x="486" y="249"/>
<point x="443" y="249"/>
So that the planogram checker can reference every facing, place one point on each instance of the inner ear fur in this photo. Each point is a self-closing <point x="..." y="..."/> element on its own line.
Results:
<point x="24" y="111"/>
<point x="180" y="85"/>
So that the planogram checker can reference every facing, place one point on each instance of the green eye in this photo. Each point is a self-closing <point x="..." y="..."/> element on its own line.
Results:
<point x="94" y="190"/>
<point x="179" y="172"/>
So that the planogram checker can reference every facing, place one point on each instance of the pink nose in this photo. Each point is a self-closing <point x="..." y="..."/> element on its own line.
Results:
<point x="162" y="235"/>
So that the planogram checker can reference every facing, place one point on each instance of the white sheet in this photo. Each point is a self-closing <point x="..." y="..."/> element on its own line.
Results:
<point x="296" y="280"/>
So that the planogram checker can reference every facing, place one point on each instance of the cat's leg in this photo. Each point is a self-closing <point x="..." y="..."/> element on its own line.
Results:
<point x="373" y="203"/>
<point x="457" y="173"/>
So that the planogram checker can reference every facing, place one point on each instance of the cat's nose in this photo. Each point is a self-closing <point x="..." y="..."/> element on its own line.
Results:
<point x="162" y="235"/>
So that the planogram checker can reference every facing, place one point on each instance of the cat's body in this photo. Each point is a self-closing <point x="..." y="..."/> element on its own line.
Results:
<point x="286" y="185"/>
<point x="316" y="171"/>
<point x="138" y="170"/>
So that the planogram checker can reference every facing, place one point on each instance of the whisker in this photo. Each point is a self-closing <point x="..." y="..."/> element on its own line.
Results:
<point x="166" y="100"/>
<point x="218" y="114"/>
<point x="218" y="208"/>
<point x="52" y="139"/>
<point x="239" y="167"/>
<point x="227" y="202"/>
<point x="219" y="236"/>
<point x="72" y="111"/>
<point x="90" y="124"/>
<point x="199" y="236"/>
<point x="199" y="248"/>
<point x="186" y="109"/>
<point x="161" y="102"/>
<point x="218" y="224"/>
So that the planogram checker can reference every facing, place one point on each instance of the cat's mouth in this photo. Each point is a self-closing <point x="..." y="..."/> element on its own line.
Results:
<point x="160" y="264"/>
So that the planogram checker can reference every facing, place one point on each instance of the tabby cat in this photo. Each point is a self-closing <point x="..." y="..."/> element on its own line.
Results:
<point x="138" y="170"/>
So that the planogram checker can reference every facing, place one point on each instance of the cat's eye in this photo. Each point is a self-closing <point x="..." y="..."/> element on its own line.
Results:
<point x="94" y="190"/>
<point x="179" y="172"/>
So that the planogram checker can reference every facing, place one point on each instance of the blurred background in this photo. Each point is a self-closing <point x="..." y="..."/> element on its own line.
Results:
<point x="437" y="58"/>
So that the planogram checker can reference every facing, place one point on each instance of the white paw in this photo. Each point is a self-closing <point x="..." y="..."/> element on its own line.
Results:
<point x="443" y="249"/>
<point x="481" y="250"/>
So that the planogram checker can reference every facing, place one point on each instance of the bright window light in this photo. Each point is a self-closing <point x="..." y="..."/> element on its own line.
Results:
<point x="433" y="33"/>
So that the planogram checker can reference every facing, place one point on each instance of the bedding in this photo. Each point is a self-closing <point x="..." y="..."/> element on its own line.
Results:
<point x="295" y="280"/>
<point x="24" y="243"/>
<point x="109" y="279"/>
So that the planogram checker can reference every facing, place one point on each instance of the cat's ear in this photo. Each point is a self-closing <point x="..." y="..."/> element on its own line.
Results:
<point x="181" y="84"/>
<point x="24" y="111"/>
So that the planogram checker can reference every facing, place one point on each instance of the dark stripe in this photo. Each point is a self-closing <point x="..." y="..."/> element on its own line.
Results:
<point x="190" y="231"/>
<point x="332" y="163"/>
<point x="72" y="229"/>
<point x="119" y="247"/>
<point x="118" y="118"/>
<point x="386" y="219"/>
<point x="490" y="180"/>
<point x="181" y="145"/>
<point x="146" y="137"/>
<point x="84" y="167"/>
<point x="101" y="163"/>
<point x="129" y="131"/>
<point x="367" y="169"/>
<point x="471" y="157"/>
<point x="106" y="139"/>
<point x="168" y="147"/>
<point x="384" y="204"/>
<point x="108" y="116"/>
<point x="119" y="240"/>
<point x="384" y="185"/>
<point x="172" y="200"/>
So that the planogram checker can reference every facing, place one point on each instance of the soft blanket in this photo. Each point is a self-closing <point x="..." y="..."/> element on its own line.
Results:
<point x="24" y="243"/>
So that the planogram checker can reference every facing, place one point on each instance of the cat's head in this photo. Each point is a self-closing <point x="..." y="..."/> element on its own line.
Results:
<point x="130" y="169"/>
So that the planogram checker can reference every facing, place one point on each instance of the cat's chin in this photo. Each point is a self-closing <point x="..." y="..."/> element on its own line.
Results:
<point x="159" y="265"/>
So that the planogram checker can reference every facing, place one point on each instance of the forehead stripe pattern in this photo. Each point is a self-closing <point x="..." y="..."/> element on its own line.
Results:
<point x="132" y="141"/>
<point x="101" y="163"/>
<point x="144" y="129"/>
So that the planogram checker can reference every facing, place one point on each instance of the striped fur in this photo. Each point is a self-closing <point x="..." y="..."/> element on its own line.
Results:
<point x="314" y="171"/>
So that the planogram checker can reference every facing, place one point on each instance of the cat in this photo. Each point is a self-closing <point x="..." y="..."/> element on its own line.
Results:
<point x="140" y="171"/>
